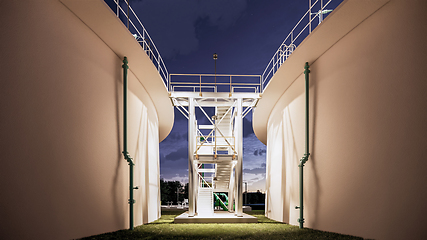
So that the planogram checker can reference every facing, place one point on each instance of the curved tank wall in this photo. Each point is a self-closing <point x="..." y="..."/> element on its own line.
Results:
<point x="62" y="174"/>
<point x="367" y="171"/>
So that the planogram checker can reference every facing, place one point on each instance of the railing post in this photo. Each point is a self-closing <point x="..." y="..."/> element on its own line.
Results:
<point x="200" y="88"/>
<point x="128" y="14"/>
<point x="321" y="12"/>
<point x="117" y="11"/>
<point x="309" y="15"/>
<point x="215" y="57"/>
<point x="230" y="88"/>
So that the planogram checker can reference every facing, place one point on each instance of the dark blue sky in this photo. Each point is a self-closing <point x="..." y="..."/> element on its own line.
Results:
<point x="244" y="33"/>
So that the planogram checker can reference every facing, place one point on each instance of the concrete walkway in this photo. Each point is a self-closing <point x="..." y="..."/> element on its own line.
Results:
<point x="217" y="217"/>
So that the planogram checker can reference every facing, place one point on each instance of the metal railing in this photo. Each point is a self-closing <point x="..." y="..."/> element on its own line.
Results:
<point x="129" y="18"/>
<point x="215" y="83"/>
<point x="215" y="143"/>
<point x="206" y="184"/>
<point x="294" y="38"/>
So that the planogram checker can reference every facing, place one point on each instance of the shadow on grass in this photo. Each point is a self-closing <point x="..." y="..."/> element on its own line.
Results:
<point x="164" y="228"/>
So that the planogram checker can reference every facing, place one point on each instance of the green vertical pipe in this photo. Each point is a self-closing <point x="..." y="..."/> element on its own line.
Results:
<point x="306" y="154"/>
<point x="307" y="89"/>
<point x="125" y="106"/>
<point x="125" y="152"/>
<point x="131" y="200"/>
<point x="301" y="202"/>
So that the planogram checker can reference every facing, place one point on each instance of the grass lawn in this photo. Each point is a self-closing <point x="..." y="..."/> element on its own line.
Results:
<point x="164" y="228"/>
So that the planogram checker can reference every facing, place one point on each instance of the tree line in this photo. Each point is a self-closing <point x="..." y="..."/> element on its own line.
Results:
<point x="175" y="191"/>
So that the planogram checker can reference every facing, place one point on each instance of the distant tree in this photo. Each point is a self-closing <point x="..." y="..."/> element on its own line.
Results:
<point x="186" y="191"/>
<point x="171" y="191"/>
<point x="164" y="191"/>
<point x="256" y="197"/>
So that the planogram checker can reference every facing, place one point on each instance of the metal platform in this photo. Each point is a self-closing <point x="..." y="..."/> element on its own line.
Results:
<point x="217" y="217"/>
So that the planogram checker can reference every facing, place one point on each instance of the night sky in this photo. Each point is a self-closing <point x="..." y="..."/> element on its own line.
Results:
<point x="244" y="33"/>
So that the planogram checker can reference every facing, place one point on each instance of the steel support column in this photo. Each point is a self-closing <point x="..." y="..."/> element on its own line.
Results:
<point x="192" y="187"/>
<point x="231" y="192"/>
<point x="239" y="165"/>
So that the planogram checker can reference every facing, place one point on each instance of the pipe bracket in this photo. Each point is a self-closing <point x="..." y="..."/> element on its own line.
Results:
<point x="306" y="67"/>
<point x="128" y="158"/>
<point x="304" y="159"/>
<point x="125" y="63"/>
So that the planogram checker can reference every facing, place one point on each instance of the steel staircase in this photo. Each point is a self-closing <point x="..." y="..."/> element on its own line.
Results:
<point x="205" y="201"/>
<point x="215" y="127"/>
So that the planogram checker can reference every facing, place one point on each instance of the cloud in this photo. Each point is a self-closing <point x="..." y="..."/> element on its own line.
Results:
<point x="174" y="177"/>
<point x="260" y="170"/>
<point x="171" y="173"/>
<point x="181" y="153"/>
<point x="178" y="132"/>
<point x="257" y="185"/>
<point x="177" y="34"/>
<point x="259" y="152"/>
<point x="175" y="136"/>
